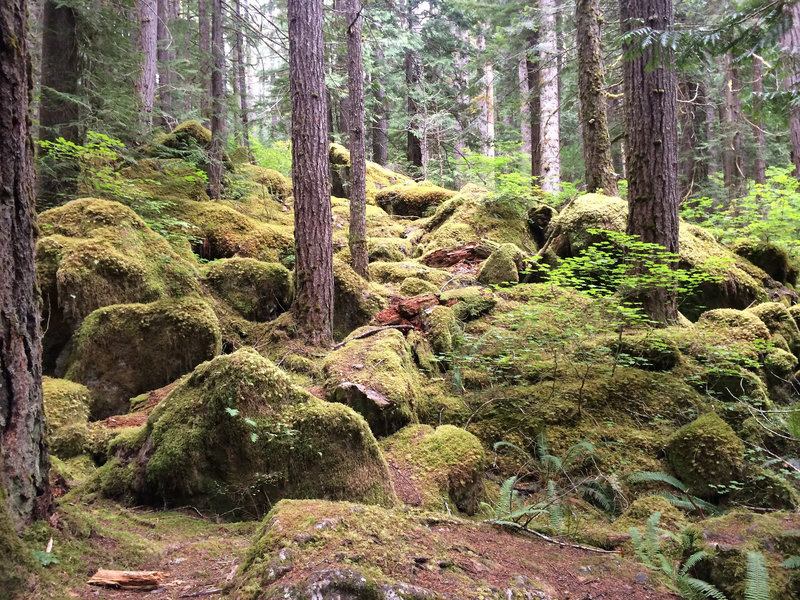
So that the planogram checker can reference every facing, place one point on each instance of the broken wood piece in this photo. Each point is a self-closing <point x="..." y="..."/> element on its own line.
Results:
<point x="128" y="580"/>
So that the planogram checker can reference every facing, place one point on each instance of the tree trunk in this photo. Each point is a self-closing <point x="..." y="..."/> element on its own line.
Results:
<point x="790" y="43"/>
<point x="58" y="116"/>
<point x="732" y="172"/>
<point x="204" y="40"/>
<point x="241" y="75"/>
<point x="759" y="160"/>
<point x="24" y="462"/>
<point x="218" y="129"/>
<point x="692" y="158"/>
<point x="358" y="160"/>
<point x="524" y="105"/>
<point x="147" y="13"/>
<point x="313" y="304"/>
<point x="591" y="90"/>
<point x="535" y="90"/>
<point x="550" y="119"/>
<point x="415" y="142"/>
<point x="486" y="103"/>
<point x="651" y="124"/>
<point x="165" y="56"/>
<point x="380" y="118"/>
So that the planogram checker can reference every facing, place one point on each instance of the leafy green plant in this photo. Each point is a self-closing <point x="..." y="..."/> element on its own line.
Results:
<point x="757" y="582"/>
<point x="685" y="501"/>
<point x="45" y="558"/>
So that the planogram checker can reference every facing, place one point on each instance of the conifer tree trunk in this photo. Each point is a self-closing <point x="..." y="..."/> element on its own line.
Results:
<point x="486" y="102"/>
<point x="165" y="56"/>
<point x="651" y="125"/>
<point x="206" y="62"/>
<point x="732" y="172"/>
<point x="549" y="94"/>
<point x="24" y="462"/>
<point x="58" y="117"/>
<point x="313" y="235"/>
<point x="535" y="90"/>
<point x="218" y="129"/>
<point x="358" y="160"/>
<point x="241" y="75"/>
<point x="380" y="118"/>
<point x="147" y="14"/>
<point x="591" y="90"/>
<point x="693" y="168"/>
<point x="524" y="105"/>
<point x="759" y="160"/>
<point x="415" y="143"/>
<point x="791" y="47"/>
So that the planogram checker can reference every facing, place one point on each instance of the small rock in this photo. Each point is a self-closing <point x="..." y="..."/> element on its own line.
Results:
<point x="641" y="578"/>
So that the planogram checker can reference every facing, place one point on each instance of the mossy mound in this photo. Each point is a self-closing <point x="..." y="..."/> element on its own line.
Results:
<point x="66" y="406"/>
<point x="436" y="466"/>
<point x="397" y="272"/>
<point x="126" y="349"/>
<point x="572" y="227"/>
<point x="388" y="249"/>
<point x="469" y="302"/>
<point x="414" y="199"/>
<point x="414" y="286"/>
<point x="258" y="291"/>
<point x="167" y="179"/>
<point x="278" y="185"/>
<point x="780" y="323"/>
<point x="443" y="330"/>
<point x="770" y="257"/>
<point x="378" y="177"/>
<point x="355" y="300"/>
<point x="706" y="453"/>
<point x="502" y="266"/>
<point x="17" y="568"/>
<point x="376" y="376"/>
<point x="472" y="216"/>
<point x="641" y="509"/>
<point x="189" y="141"/>
<point x="238" y="435"/>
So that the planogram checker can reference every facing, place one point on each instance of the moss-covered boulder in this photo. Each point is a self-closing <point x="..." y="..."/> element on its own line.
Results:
<point x="258" y="291"/>
<point x="572" y="227"/>
<point x="376" y="376"/>
<point x="706" y="453"/>
<point x="469" y="302"/>
<point x="378" y="177"/>
<point x="502" y="266"/>
<point x="414" y="199"/>
<point x="238" y="435"/>
<point x="355" y="300"/>
<point x="414" y="286"/>
<point x="398" y="272"/>
<point x="126" y="349"/>
<point x="433" y="467"/>
<point x="443" y="329"/>
<point x="17" y="569"/>
<point x="66" y="408"/>
<point x="278" y="185"/>
<point x="770" y="257"/>
<point x="781" y="325"/>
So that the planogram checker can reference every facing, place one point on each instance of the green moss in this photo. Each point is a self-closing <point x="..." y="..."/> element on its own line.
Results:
<point x="705" y="453"/>
<point x="779" y="321"/>
<point x="439" y="465"/>
<point x="236" y="434"/>
<point x="17" y="569"/>
<point x="258" y="291"/>
<point x="126" y="349"/>
<point x="378" y="177"/>
<point x="388" y="249"/>
<point x="412" y="199"/>
<point x="167" y="179"/>
<point x="588" y="212"/>
<point x="502" y="266"/>
<point x="414" y="286"/>
<point x="278" y="185"/>
<point x="443" y="330"/>
<point x="770" y="257"/>
<point x="66" y="407"/>
<point x="377" y="377"/>
<point x="470" y="302"/>
<point x="397" y="272"/>
<point x="641" y="509"/>
<point x="355" y="300"/>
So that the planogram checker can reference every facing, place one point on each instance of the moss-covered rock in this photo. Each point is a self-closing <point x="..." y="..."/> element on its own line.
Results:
<point x="414" y="199"/>
<point x="258" y="291"/>
<point x="469" y="302"/>
<point x="641" y="509"/>
<point x="572" y="227"/>
<point x="397" y="272"/>
<point x="434" y="466"/>
<point x="779" y="321"/>
<point x="355" y="300"/>
<point x="414" y="286"/>
<point x="388" y="249"/>
<point x="17" y="569"/>
<point x="443" y="329"/>
<point x="706" y="453"/>
<point x="376" y="376"/>
<point x="502" y="266"/>
<point x="278" y="185"/>
<point x="126" y="349"/>
<point x="66" y="407"/>
<point x="237" y="434"/>
<point x="378" y="177"/>
<point x="770" y="257"/>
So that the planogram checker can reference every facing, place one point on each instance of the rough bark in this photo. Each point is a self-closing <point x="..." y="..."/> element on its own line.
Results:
<point x="524" y="105"/>
<point x="24" y="462"/>
<point x="731" y="117"/>
<point x="550" y="113"/>
<point x="380" y="118"/>
<point x="241" y="76"/>
<point x="791" y="47"/>
<point x="218" y="129"/>
<point x="313" y="304"/>
<point x="204" y="40"/>
<point x="759" y="160"/>
<point x="693" y="166"/>
<point x="486" y="104"/>
<point x="58" y="117"/>
<point x="415" y="143"/>
<point x="534" y="88"/>
<point x="651" y="124"/>
<point x="147" y="14"/>
<point x="591" y="90"/>
<point x="165" y="56"/>
<point x="358" y="160"/>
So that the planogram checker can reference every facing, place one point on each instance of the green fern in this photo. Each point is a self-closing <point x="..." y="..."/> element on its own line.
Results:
<point x="757" y="582"/>
<point x="685" y="502"/>
<point x="793" y="562"/>
<point x="655" y="477"/>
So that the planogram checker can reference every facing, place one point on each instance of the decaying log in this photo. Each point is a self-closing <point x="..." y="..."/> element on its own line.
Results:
<point x="128" y="580"/>
<point x="468" y="253"/>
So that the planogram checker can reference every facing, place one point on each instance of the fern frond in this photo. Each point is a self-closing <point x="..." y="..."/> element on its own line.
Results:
<point x="499" y="445"/>
<point x="596" y="494"/>
<point x="793" y="562"/>
<point x="506" y="500"/>
<point x="701" y="587"/>
<point x="757" y="581"/>
<point x="690" y="562"/>
<point x="655" y="477"/>
<point x="556" y="510"/>
<point x="542" y="447"/>
<point x="577" y="453"/>
<point x="685" y="504"/>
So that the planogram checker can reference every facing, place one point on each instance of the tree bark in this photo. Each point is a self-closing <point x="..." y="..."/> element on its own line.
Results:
<point x="651" y="124"/>
<point x="791" y="46"/>
<point x="524" y="105"/>
<point x="358" y="160"/>
<point x="415" y="142"/>
<point x="24" y="462"/>
<point x="206" y="62"/>
<point x="591" y="90"/>
<point x="693" y="167"/>
<point x="732" y="173"/>
<point x="535" y="89"/>
<point x="58" y="116"/>
<point x="218" y="129"/>
<point x="551" y="115"/>
<point x="759" y="160"/>
<point x="165" y="56"/>
<point x="313" y="304"/>
<point x="147" y="13"/>
<point x="380" y="118"/>
<point x="241" y="75"/>
<point x="486" y="103"/>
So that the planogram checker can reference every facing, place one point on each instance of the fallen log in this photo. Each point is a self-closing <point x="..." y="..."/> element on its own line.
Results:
<point x="128" y="580"/>
<point x="468" y="253"/>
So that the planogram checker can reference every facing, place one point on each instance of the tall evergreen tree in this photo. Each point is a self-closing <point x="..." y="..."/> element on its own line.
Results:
<point x="218" y="128"/>
<point x="147" y="15"/>
<point x="550" y="120"/>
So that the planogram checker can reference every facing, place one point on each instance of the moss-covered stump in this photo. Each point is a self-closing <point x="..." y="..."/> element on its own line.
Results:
<point x="502" y="266"/>
<point x="436" y="468"/>
<point x="18" y="579"/>
<point x="238" y="435"/>
<point x="126" y="349"/>
<point x="355" y="300"/>
<point x="258" y="291"/>
<point x="470" y="302"/>
<point x="278" y="185"/>
<point x="781" y="324"/>
<point x="770" y="257"/>
<point x="376" y="376"/>
<point x="66" y="406"/>
<point x="413" y="199"/>
<point x="706" y="455"/>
